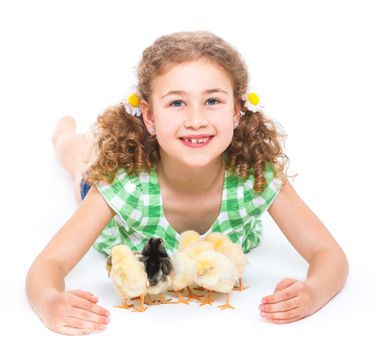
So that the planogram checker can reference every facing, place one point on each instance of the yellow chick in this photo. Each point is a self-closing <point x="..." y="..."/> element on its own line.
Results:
<point x="187" y="238"/>
<point x="231" y="250"/>
<point x="108" y="265"/>
<point x="129" y="276"/>
<point x="184" y="274"/>
<point x="215" y="272"/>
<point x="183" y="261"/>
<point x="191" y="252"/>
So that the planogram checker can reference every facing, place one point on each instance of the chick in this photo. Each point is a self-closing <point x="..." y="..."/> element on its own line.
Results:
<point x="190" y="246"/>
<point x="108" y="265"/>
<point x="157" y="266"/>
<point x="129" y="275"/>
<point x="187" y="238"/>
<point x="215" y="272"/>
<point x="231" y="250"/>
<point x="183" y="276"/>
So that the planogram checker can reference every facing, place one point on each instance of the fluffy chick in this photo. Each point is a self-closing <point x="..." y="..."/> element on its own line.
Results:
<point x="184" y="274"/>
<point x="129" y="275"/>
<point x="191" y="245"/>
<point x="231" y="250"/>
<point x="187" y="238"/>
<point x="215" y="272"/>
<point x="108" y="265"/>
<point x="157" y="266"/>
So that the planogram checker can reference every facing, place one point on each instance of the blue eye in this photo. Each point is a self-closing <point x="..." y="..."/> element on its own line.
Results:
<point x="213" y="101"/>
<point x="176" y="103"/>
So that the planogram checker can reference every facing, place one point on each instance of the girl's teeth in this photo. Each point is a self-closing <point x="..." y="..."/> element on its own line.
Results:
<point x="197" y="140"/>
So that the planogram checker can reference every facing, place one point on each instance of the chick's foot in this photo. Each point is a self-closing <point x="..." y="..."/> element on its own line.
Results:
<point x="201" y="289"/>
<point x="191" y="296"/>
<point x="208" y="300"/>
<point x="124" y="305"/>
<point x="240" y="287"/>
<point x="227" y="304"/>
<point x="163" y="300"/>
<point x="180" y="300"/>
<point x="142" y="307"/>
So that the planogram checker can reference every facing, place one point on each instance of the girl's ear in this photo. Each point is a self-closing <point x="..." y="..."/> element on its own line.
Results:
<point x="237" y="112"/>
<point x="147" y="114"/>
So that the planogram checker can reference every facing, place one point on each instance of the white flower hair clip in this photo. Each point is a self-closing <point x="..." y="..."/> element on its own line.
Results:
<point x="132" y="102"/>
<point x="252" y="101"/>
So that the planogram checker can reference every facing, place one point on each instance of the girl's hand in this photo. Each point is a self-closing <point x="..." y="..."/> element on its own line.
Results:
<point x="73" y="313"/>
<point x="291" y="301"/>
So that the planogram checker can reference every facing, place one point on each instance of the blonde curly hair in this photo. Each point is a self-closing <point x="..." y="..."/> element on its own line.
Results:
<point x="122" y="140"/>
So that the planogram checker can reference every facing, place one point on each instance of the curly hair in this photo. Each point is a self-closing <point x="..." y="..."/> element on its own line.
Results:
<point x="123" y="141"/>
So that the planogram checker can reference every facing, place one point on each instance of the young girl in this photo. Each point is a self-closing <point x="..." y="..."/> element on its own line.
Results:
<point x="189" y="149"/>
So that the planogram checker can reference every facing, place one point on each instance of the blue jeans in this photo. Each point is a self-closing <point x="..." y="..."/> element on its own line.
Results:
<point x="84" y="188"/>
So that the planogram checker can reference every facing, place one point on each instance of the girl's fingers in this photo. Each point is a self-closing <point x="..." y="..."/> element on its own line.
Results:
<point x="281" y="321"/>
<point x="85" y="304"/>
<point x="285" y="294"/>
<point x="67" y="330"/>
<point x="84" y="324"/>
<point x="83" y="294"/>
<point x="286" y="315"/>
<point x="281" y="306"/>
<point x="88" y="316"/>
<point x="284" y="284"/>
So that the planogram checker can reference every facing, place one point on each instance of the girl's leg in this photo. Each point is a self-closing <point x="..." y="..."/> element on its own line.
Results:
<point x="72" y="150"/>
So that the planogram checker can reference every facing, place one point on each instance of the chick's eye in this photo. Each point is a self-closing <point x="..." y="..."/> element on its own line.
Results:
<point x="176" y="103"/>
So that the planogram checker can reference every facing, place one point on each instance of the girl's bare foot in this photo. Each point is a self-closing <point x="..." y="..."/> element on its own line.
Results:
<point x="64" y="125"/>
<point x="72" y="150"/>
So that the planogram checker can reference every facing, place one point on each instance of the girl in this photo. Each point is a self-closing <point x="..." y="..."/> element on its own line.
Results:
<point x="189" y="149"/>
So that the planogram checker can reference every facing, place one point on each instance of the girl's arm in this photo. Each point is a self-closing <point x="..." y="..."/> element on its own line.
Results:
<point x="328" y="266"/>
<point x="70" y="312"/>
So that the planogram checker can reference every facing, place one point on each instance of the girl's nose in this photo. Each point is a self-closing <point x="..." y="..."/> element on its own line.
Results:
<point x="196" y="120"/>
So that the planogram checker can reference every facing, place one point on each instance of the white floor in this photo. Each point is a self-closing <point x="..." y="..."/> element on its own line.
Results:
<point x="319" y="78"/>
<point x="349" y="318"/>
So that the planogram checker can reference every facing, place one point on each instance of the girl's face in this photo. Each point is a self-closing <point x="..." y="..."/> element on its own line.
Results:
<point x="192" y="100"/>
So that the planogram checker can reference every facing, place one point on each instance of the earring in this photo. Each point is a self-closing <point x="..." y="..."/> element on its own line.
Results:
<point x="152" y="130"/>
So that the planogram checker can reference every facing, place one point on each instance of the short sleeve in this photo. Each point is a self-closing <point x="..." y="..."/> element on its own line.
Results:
<point x="262" y="200"/>
<point x="123" y="195"/>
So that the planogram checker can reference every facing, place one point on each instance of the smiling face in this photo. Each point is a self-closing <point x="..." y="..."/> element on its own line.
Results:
<point x="192" y="100"/>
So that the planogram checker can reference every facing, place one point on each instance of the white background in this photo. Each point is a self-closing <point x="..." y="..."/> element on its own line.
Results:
<point x="315" y="64"/>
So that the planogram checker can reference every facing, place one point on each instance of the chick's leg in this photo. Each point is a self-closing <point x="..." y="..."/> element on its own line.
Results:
<point x="191" y="295"/>
<point x="240" y="287"/>
<point x="149" y="301"/>
<point x="163" y="300"/>
<point x="227" y="304"/>
<point x="142" y="307"/>
<point x="201" y="289"/>
<point x="180" y="300"/>
<point x="208" y="300"/>
<point x="125" y="304"/>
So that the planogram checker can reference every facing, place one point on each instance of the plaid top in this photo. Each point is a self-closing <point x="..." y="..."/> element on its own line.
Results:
<point x="137" y="201"/>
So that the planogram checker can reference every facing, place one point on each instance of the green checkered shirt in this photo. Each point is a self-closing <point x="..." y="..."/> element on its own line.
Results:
<point x="137" y="201"/>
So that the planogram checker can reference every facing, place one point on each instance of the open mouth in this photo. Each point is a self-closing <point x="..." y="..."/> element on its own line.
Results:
<point x="198" y="142"/>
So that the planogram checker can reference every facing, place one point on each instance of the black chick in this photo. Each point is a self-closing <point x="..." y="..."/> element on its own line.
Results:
<point x="157" y="263"/>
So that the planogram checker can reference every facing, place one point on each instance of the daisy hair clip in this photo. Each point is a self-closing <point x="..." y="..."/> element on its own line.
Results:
<point x="132" y="102"/>
<point x="252" y="101"/>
